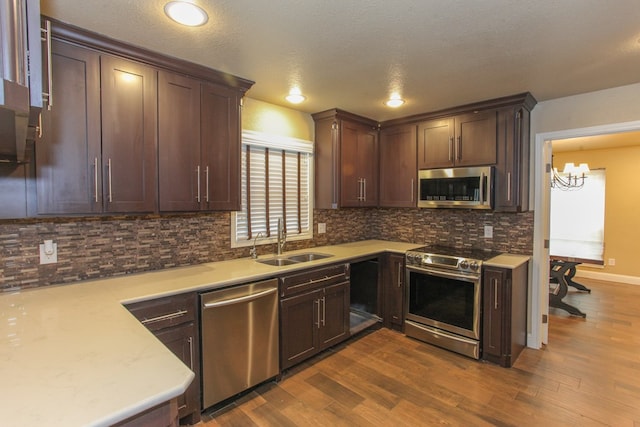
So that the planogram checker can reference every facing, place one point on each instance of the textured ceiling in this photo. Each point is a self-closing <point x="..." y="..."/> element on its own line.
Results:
<point x="351" y="54"/>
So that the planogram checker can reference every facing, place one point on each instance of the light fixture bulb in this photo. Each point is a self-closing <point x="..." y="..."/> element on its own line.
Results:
<point x="186" y="13"/>
<point x="295" y="96"/>
<point x="394" y="101"/>
<point x="569" y="168"/>
<point x="583" y="168"/>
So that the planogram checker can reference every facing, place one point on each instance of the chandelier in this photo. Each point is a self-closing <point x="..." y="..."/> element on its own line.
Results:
<point x="571" y="178"/>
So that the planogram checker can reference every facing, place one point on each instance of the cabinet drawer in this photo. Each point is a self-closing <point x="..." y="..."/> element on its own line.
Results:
<point x="312" y="279"/>
<point x="163" y="313"/>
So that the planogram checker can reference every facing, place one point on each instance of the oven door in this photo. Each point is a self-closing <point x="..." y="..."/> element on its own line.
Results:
<point x="445" y="300"/>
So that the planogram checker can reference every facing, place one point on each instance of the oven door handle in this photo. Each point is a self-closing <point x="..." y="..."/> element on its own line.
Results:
<point x="458" y="275"/>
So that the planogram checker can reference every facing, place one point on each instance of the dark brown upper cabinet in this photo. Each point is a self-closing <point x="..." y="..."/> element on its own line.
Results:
<point x="346" y="153"/>
<point x="462" y="140"/>
<point x="493" y="133"/>
<point x="133" y="131"/>
<point x="129" y="135"/>
<point x="199" y="145"/>
<point x="68" y="154"/>
<point x="398" y="172"/>
<point x="98" y="147"/>
<point x="512" y="170"/>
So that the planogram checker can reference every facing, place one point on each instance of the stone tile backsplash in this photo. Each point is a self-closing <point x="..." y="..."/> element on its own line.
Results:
<point x="96" y="247"/>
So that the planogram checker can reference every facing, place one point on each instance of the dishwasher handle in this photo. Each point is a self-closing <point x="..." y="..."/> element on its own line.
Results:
<point x="241" y="299"/>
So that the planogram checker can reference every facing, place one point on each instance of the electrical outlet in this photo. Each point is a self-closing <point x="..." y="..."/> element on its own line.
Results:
<point x="48" y="252"/>
<point x="488" y="232"/>
<point x="612" y="261"/>
<point x="322" y="227"/>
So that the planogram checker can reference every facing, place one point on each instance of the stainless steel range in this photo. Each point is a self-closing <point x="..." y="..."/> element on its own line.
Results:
<point x="444" y="297"/>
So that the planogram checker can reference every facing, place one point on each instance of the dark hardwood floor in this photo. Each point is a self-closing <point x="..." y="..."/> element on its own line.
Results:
<point x="588" y="375"/>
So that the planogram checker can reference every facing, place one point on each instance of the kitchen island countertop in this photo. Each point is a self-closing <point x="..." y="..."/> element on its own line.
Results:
<point x="72" y="355"/>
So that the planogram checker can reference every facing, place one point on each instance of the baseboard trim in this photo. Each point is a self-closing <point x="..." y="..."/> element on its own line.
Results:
<point x="608" y="277"/>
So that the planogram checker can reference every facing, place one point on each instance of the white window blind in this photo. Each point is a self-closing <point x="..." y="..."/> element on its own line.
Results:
<point x="577" y="220"/>
<point x="275" y="184"/>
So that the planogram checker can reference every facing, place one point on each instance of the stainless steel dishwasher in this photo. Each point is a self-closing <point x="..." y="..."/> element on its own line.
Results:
<point x="239" y="339"/>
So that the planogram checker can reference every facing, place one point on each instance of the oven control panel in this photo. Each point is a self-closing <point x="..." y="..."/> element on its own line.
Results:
<point x="448" y="262"/>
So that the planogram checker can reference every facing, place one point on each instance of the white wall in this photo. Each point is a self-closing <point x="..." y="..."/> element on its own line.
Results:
<point x="604" y="111"/>
<point x="617" y="105"/>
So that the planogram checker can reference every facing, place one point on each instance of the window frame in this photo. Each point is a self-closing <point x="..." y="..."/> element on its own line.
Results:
<point x="276" y="142"/>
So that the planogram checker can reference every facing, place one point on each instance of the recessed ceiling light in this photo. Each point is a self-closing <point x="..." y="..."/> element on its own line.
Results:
<point x="186" y="13"/>
<point x="394" y="101"/>
<point x="295" y="96"/>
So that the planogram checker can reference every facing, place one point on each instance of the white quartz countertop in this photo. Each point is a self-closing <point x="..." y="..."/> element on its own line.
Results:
<point x="72" y="355"/>
<point x="508" y="261"/>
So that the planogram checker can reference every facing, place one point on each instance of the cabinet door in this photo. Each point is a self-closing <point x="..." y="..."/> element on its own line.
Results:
<point x="68" y="159"/>
<point x="398" y="167"/>
<point x="476" y="140"/>
<point x="220" y="124"/>
<point x="394" y="291"/>
<point x="493" y="336"/>
<point x="181" y="341"/>
<point x="334" y="316"/>
<point x="436" y="144"/>
<point x="358" y="165"/>
<point x="326" y="161"/>
<point x="512" y="169"/>
<point x="179" y="143"/>
<point x="350" y="180"/>
<point x="300" y="324"/>
<point x="129" y="135"/>
<point x="367" y="160"/>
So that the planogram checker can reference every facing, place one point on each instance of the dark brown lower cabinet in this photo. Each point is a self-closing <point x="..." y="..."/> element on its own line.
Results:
<point x="314" y="312"/>
<point x="504" y="330"/>
<point x="394" y="286"/>
<point x="174" y="321"/>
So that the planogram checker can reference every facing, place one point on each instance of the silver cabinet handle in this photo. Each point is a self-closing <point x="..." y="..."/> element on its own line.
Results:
<point x="325" y="278"/>
<point x="191" y="352"/>
<point x="495" y="294"/>
<point x="364" y="189"/>
<point x="451" y="149"/>
<point x="318" y="313"/>
<point x="316" y="281"/>
<point x="508" y="186"/>
<point x="206" y="194"/>
<point x="95" y="178"/>
<point x="334" y="167"/>
<point x="324" y="311"/>
<point x="245" y="298"/>
<point x="198" y="183"/>
<point x="399" y="274"/>
<point x="110" y="184"/>
<point x="47" y="38"/>
<point x="412" y="190"/>
<point x="168" y="316"/>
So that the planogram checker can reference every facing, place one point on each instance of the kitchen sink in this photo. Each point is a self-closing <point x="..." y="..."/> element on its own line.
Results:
<point x="278" y="262"/>
<point x="293" y="259"/>
<point x="309" y="256"/>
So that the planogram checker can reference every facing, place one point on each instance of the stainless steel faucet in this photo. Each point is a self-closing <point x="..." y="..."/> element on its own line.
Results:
<point x="253" y="252"/>
<point x="282" y="237"/>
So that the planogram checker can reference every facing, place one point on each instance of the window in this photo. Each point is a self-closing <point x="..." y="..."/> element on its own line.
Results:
<point x="577" y="220"/>
<point x="276" y="183"/>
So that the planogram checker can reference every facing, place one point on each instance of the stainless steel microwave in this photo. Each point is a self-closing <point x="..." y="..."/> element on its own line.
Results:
<point x="468" y="187"/>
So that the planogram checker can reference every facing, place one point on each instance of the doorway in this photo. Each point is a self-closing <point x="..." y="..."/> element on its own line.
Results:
<point x="538" y="334"/>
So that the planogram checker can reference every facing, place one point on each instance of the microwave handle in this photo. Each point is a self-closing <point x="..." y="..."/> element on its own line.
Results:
<point x="483" y="186"/>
